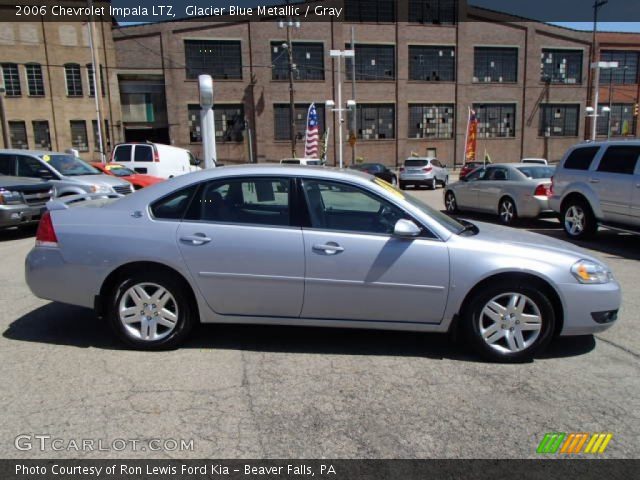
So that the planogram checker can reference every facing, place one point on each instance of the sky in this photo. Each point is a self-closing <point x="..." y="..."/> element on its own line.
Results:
<point x="603" y="26"/>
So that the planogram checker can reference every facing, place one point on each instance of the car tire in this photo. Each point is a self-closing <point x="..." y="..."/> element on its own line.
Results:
<point x="432" y="185"/>
<point x="509" y="321"/>
<point x="450" y="202"/>
<point x="394" y="181"/>
<point x="403" y="186"/>
<point x="507" y="211"/>
<point x="578" y="220"/>
<point x="445" y="182"/>
<point x="164" y="303"/>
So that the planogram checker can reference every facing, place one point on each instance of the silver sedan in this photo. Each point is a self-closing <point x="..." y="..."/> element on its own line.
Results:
<point x="291" y="245"/>
<point x="510" y="190"/>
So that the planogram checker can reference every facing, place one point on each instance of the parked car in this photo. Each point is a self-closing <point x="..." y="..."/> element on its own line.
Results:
<point x="379" y="170"/>
<point x="510" y="190"/>
<point x="598" y="184"/>
<point x="538" y="161"/>
<point x="22" y="200"/>
<point x="291" y="245"/>
<point x="138" y="180"/>
<point x="69" y="175"/>
<point x="469" y="167"/>
<point x="156" y="159"/>
<point x="301" y="161"/>
<point x="423" y="171"/>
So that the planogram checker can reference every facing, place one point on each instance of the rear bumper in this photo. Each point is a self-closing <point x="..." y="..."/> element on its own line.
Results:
<point x="534" y="206"/>
<point x="586" y="306"/>
<point x="416" y="177"/>
<point x="14" y="215"/>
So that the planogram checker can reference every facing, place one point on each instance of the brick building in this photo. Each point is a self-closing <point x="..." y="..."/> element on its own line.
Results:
<point x="49" y="95"/>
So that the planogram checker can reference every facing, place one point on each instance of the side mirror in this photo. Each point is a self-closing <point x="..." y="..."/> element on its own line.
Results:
<point x="406" y="229"/>
<point x="46" y="174"/>
<point x="197" y="162"/>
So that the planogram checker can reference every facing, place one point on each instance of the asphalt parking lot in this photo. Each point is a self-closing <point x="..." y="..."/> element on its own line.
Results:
<point x="260" y="392"/>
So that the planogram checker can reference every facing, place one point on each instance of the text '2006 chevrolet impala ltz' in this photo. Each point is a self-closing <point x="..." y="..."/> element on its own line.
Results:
<point x="290" y="245"/>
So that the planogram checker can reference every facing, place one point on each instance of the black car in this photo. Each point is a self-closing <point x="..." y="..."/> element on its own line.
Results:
<point x="379" y="170"/>
<point x="22" y="200"/>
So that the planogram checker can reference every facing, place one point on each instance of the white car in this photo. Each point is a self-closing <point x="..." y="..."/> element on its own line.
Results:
<point x="537" y="161"/>
<point x="156" y="159"/>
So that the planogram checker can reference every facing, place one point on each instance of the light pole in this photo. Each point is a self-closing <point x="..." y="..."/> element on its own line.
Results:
<point x="340" y="54"/>
<point x="595" y="65"/>
<point x="289" y="24"/>
<point x="592" y="111"/>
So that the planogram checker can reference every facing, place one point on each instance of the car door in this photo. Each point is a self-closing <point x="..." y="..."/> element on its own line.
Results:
<point x="357" y="270"/>
<point x="466" y="191"/>
<point x="143" y="159"/>
<point x="122" y="155"/>
<point x="239" y="245"/>
<point x="635" y="198"/>
<point x="613" y="181"/>
<point x="491" y="188"/>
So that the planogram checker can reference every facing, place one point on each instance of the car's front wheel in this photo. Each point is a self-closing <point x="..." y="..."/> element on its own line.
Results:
<point x="450" y="202"/>
<point x="509" y="322"/>
<point x="578" y="220"/>
<point x="507" y="211"/>
<point x="394" y="181"/>
<point x="151" y="311"/>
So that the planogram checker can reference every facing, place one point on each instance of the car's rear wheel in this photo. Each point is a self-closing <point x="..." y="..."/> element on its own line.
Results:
<point x="394" y="181"/>
<point x="432" y="185"/>
<point x="509" y="322"/>
<point x="507" y="211"/>
<point x="578" y="219"/>
<point x="151" y="311"/>
<point x="403" y="186"/>
<point x="450" y="202"/>
<point x="445" y="182"/>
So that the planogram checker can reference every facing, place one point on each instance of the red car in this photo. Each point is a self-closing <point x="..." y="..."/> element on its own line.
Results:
<point x="469" y="167"/>
<point x="136" y="179"/>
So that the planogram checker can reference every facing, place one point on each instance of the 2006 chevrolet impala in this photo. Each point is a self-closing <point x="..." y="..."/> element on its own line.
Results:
<point x="292" y="245"/>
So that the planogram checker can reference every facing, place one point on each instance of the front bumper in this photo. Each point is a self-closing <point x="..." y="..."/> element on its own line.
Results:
<point x="581" y="302"/>
<point x="14" y="215"/>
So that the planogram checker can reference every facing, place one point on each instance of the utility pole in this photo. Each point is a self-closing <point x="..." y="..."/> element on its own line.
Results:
<point x="3" y="120"/>
<point x="292" y="106"/>
<point x="596" y="67"/>
<point x="96" y="84"/>
<point x="353" y="127"/>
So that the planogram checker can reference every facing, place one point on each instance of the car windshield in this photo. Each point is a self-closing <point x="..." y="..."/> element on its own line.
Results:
<point x="70" y="166"/>
<point x="416" y="163"/>
<point x="120" y="171"/>
<point x="291" y="162"/>
<point x="444" y="220"/>
<point x="313" y="162"/>
<point x="536" y="172"/>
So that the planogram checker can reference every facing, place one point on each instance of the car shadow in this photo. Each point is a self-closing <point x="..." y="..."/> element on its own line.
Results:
<point x="60" y="324"/>
<point x="16" y="233"/>
<point x="608" y="242"/>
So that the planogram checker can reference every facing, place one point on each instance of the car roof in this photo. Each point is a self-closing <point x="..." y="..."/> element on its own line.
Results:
<point x="15" y="151"/>
<point x="420" y="158"/>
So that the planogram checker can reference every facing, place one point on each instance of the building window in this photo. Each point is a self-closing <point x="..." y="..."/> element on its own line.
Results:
<point x="79" y="139"/>
<point x="373" y="62"/>
<point x="308" y="58"/>
<point x="282" y="121"/>
<point x="18" y="135"/>
<point x="623" y="122"/>
<point x="559" y="120"/>
<point x="378" y="11"/>
<point x="11" y="79"/>
<point x="495" y="65"/>
<point x="74" y="79"/>
<point x="41" y="135"/>
<point x="627" y="71"/>
<point x="90" y="80"/>
<point x="35" y="81"/>
<point x="228" y="123"/>
<point x="496" y="120"/>
<point x="437" y="12"/>
<point x="431" y="121"/>
<point x="376" y="121"/>
<point x="432" y="63"/>
<point x="561" y="66"/>
<point x="222" y="59"/>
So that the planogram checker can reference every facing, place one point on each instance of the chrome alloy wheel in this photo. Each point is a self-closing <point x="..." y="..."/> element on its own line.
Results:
<point x="507" y="211"/>
<point x="510" y="322"/>
<point x="148" y="312"/>
<point x="450" y="202"/>
<point x="574" y="220"/>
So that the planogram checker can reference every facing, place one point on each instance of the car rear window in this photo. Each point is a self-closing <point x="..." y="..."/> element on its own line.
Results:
<point x="123" y="153"/>
<point x="581" y="158"/>
<point x="619" y="159"/>
<point x="143" y="153"/>
<point x="290" y="162"/>
<point x="416" y="163"/>
<point x="537" y="172"/>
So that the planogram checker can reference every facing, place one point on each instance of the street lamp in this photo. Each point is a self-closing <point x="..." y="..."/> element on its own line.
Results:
<point x="340" y="54"/>
<point x="595" y="64"/>
<point x="289" y="24"/>
<point x="593" y="111"/>
<point x="607" y="110"/>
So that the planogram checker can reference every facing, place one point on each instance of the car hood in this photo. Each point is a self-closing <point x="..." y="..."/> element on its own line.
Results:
<point x="7" y="182"/>
<point x="513" y="237"/>
<point x="148" y="179"/>
<point x="101" y="179"/>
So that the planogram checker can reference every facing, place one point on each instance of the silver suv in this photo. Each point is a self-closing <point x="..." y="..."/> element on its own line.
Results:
<point x="423" y="171"/>
<point x="598" y="184"/>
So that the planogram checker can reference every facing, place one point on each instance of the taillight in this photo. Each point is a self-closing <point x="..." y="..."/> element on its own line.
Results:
<point x="542" y="190"/>
<point x="156" y="156"/>
<point x="427" y="169"/>
<point x="402" y="169"/>
<point x="46" y="235"/>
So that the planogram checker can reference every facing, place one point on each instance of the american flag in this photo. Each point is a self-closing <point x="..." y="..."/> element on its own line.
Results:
<point x="312" y="135"/>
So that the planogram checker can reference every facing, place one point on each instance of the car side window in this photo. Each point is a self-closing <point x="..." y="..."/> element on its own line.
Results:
<point x="619" y="159"/>
<point x="250" y="201"/>
<point x="436" y="163"/>
<point x="342" y="207"/>
<point x="7" y="165"/>
<point x="143" y="153"/>
<point x="581" y="158"/>
<point x="497" y="174"/>
<point x="29" y="167"/>
<point x="478" y="174"/>
<point x="123" y="153"/>
<point x="174" y="205"/>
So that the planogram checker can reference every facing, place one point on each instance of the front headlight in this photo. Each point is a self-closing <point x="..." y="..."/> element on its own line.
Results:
<point x="587" y="271"/>
<point x="96" y="188"/>
<point x="10" y="198"/>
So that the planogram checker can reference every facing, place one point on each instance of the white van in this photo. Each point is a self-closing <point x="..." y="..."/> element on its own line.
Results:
<point x="155" y="159"/>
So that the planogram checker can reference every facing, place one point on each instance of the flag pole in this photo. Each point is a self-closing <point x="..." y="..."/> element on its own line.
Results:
<point x="306" y="129"/>
<point x="466" y="137"/>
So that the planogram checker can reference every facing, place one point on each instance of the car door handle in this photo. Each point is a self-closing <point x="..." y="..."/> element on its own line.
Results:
<point x="330" y="248"/>
<point x="196" y="239"/>
<point x="594" y="180"/>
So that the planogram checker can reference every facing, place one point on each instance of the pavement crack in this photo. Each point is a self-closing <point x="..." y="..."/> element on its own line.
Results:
<point x="619" y="347"/>
<point x="246" y="384"/>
